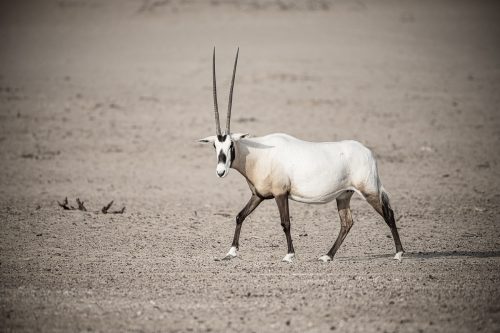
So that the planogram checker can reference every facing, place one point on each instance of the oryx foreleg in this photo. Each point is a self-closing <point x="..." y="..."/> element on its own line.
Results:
<point x="247" y="210"/>
<point x="282" y="202"/>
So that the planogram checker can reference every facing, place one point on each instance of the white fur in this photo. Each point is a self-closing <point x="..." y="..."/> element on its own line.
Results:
<point x="325" y="258"/>
<point x="221" y="170"/>
<point x="289" y="257"/>
<point x="311" y="172"/>
<point x="233" y="253"/>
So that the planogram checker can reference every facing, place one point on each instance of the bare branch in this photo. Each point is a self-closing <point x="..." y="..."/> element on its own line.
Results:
<point x="121" y="211"/>
<point x="65" y="204"/>
<point x="80" y="205"/>
<point x="104" y="209"/>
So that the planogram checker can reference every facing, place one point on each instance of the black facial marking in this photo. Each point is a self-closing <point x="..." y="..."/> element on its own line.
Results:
<point x="222" y="137"/>
<point x="233" y="153"/>
<point x="222" y="158"/>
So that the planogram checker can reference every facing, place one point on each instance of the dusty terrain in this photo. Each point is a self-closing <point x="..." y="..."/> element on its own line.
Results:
<point x="105" y="101"/>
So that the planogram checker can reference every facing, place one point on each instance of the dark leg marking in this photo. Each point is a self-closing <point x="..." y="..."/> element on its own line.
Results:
<point x="282" y="202"/>
<point x="383" y="207"/>
<point x="247" y="210"/>
<point x="346" y="221"/>
<point x="388" y="215"/>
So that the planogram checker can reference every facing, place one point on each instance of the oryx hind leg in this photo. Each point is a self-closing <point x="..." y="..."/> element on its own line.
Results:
<point x="380" y="202"/>
<point x="346" y="222"/>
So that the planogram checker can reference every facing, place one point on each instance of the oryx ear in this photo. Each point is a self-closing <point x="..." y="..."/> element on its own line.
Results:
<point x="208" y="139"/>
<point x="237" y="136"/>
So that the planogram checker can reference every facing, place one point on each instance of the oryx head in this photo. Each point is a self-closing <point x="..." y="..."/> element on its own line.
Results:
<point x="223" y="142"/>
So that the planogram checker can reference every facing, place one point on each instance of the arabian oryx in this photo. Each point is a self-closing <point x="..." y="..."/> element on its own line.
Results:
<point x="282" y="167"/>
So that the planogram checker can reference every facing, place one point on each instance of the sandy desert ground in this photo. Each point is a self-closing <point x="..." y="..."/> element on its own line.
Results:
<point x="104" y="100"/>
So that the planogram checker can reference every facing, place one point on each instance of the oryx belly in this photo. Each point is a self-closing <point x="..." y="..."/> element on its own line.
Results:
<point x="318" y="173"/>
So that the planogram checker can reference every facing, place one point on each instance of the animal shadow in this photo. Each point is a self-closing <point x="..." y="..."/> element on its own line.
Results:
<point x="440" y="254"/>
<point x="420" y="255"/>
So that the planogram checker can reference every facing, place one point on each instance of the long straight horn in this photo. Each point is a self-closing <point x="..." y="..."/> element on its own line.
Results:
<point x="216" y="108"/>
<point x="228" y="121"/>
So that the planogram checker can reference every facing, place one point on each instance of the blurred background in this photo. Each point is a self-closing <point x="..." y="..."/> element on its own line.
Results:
<point x="99" y="89"/>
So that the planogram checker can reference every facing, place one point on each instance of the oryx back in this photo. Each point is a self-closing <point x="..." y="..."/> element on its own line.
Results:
<point x="311" y="172"/>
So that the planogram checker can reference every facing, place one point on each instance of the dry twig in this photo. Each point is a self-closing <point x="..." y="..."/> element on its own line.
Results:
<point x="81" y="206"/>
<point x="65" y="205"/>
<point x="105" y="209"/>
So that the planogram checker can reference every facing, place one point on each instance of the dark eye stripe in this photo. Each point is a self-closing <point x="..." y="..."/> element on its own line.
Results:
<point x="222" y="158"/>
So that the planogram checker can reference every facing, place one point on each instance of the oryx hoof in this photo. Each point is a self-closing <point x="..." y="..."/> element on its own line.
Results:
<point x="325" y="258"/>
<point x="233" y="253"/>
<point x="398" y="256"/>
<point x="289" y="257"/>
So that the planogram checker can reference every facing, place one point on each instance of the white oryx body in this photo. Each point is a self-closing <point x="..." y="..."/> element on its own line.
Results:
<point x="282" y="167"/>
<point x="310" y="172"/>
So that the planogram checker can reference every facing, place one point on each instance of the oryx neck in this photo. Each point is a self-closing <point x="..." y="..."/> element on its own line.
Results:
<point x="240" y="156"/>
